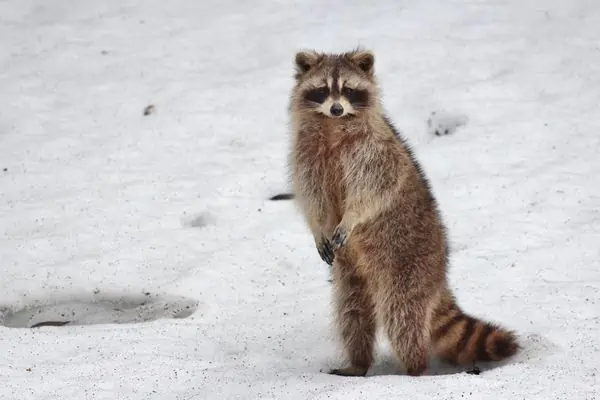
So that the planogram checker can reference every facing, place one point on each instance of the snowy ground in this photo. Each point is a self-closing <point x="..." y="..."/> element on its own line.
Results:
<point x="110" y="216"/>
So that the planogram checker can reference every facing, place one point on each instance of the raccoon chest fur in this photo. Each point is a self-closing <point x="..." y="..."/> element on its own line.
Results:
<point x="319" y="170"/>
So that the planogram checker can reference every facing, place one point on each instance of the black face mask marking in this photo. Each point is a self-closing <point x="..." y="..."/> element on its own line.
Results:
<point x="358" y="98"/>
<point x="318" y="95"/>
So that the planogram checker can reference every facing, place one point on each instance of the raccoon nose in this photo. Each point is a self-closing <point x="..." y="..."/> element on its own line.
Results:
<point x="336" y="109"/>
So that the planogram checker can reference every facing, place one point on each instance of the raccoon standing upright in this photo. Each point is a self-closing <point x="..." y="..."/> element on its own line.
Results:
<point x="373" y="216"/>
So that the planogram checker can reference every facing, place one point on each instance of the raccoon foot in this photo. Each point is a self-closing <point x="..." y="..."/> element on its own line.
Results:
<point x="349" y="371"/>
<point x="326" y="251"/>
<point x="339" y="237"/>
<point x="474" y="371"/>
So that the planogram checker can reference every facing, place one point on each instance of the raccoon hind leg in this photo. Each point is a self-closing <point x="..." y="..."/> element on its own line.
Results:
<point x="355" y="318"/>
<point x="406" y="316"/>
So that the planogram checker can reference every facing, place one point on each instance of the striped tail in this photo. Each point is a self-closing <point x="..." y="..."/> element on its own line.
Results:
<point x="459" y="338"/>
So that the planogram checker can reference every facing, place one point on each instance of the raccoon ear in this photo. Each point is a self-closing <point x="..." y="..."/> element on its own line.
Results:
<point x="364" y="59"/>
<point x="305" y="60"/>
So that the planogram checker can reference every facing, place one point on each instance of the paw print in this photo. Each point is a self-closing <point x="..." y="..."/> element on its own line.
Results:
<point x="442" y="123"/>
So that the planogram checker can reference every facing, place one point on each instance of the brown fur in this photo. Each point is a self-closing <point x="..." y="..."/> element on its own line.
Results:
<point x="364" y="195"/>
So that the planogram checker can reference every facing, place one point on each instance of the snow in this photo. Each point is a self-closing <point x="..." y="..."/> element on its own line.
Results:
<point x="153" y="234"/>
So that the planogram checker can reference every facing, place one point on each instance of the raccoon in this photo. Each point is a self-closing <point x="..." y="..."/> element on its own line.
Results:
<point x="374" y="218"/>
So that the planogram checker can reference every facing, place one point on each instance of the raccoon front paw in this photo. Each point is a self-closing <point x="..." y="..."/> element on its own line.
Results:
<point x="339" y="237"/>
<point x="326" y="251"/>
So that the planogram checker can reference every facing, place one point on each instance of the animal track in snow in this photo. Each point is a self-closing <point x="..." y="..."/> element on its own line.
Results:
<point x="98" y="309"/>
<point x="441" y="123"/>
<point x="199" y="220"/>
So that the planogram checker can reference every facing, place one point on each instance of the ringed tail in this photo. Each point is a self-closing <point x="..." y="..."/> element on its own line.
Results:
<point x="459" y="338"/>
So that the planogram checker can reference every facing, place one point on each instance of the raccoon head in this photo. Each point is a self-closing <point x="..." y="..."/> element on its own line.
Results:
<point x="335" y="85"/>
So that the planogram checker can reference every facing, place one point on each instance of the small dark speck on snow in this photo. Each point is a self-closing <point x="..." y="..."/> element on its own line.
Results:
<point x="149" y="109"/>
<point x="4" y="169"/>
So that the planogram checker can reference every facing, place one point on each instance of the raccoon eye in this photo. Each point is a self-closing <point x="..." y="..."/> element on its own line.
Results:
<point x="318" y="95"/>
<point x="356" y="96"/>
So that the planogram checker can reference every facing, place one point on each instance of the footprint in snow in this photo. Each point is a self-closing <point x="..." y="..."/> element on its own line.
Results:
<point x="442" y="123"/>
<point x="199" y="220"/>
<point x="98" y="309"/>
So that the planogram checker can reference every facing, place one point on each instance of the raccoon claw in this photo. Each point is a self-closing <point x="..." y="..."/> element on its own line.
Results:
<point x="339" y="238"/>
<point x="326" y="251"/>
